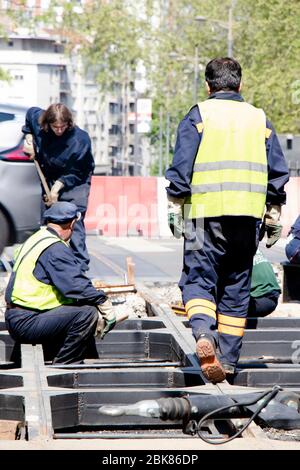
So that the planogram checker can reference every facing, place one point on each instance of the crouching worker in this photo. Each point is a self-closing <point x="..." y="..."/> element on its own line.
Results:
<point x="265" y="289"/>
<point x="292" y="249"/>
<point x="49" y="300"/>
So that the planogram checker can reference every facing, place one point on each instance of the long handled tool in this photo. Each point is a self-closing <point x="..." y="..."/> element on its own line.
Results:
<point x="43" y="179"/>
<point x="30" y="150"/>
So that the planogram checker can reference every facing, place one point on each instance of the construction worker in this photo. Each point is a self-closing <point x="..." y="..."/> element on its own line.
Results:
<point x="292" y="248"/>
<point x="63" y="151"/>
<point x="227" y="166"/>
<point x="49" y="300"/>
<point x="265" y="290"/>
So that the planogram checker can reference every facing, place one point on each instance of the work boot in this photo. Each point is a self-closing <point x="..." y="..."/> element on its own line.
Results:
<point x="206" y="352"/>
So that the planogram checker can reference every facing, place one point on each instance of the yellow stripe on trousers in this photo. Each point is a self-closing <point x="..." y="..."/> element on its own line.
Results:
<point x="200" y="307"/>
<point x="231" y="321"/>
<point x="230" y="330"/>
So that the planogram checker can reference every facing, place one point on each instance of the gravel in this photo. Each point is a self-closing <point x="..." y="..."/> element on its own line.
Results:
<point x="281" y="435"/>
<point x="169" y="293"/>
<point x="130" y="303"/>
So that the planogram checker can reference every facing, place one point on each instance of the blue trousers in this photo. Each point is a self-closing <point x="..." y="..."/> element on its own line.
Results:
<point x="79" y="196"/>
<point x="78" y="245"/>
<point x="216" y="278"/>
<point x="263" y="306"/>
<point x="66" y="332"/>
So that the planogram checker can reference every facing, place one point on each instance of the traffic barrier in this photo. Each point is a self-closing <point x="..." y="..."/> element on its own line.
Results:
<point x="137" y="205"/>
<point x="291" y="210"/>
<point x="121" y="206"/>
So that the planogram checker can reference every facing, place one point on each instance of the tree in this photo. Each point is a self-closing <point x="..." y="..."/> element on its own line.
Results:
<point x="105" y="33"/>
<point x="268" y="45"/>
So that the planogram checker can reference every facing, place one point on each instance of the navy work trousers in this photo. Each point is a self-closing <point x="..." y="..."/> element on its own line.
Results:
<point x="263" y="306"/>
<point x="78" y="245"/>
<point x="79" y="196"/>
<point x="216" y="277"/>
<point x="66" y="332"/>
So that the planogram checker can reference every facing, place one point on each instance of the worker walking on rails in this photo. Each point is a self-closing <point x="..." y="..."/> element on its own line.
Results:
<point x="49" y="300"/>
<point x="227" y="166"/>
<point x="63" y="151"/>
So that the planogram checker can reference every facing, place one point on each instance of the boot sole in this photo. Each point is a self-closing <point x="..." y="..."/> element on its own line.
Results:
<point x="210" y="366"/>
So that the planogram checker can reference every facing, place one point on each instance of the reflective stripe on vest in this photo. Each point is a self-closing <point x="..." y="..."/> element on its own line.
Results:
<point x="27" y="290"/>
<point x="230" y="173"/>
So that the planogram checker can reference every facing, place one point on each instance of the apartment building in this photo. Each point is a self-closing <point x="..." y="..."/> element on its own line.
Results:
<point x="42" y="74"/>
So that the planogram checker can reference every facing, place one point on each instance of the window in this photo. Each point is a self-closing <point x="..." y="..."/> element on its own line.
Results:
<point x="114" y="130"/>
<point x="113" y="108"/>
<point x="113" y="151"/>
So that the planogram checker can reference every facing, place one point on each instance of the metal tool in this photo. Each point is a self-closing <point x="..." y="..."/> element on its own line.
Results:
<point x="273" y="407"/>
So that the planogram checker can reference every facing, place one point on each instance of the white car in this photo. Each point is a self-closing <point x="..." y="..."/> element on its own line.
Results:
<point x="20" y="192"/>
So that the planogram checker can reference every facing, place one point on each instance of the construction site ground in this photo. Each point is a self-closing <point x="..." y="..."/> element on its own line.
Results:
<point x="157" y="264"/>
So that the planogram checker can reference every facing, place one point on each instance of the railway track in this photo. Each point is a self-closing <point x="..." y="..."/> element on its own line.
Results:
<point x="141" y="359"/>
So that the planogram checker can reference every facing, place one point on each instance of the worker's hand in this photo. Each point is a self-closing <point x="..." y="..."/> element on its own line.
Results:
<point x="28" y="146"/>
<point x="56" y="188"/>
<point x="108" y="318"/>
<point x="109" y="325"/>
<point x="271" y="225"/>
<point x="273" y="234"/>
<point x="175" y="218"/>
<point x="47" y="200"/>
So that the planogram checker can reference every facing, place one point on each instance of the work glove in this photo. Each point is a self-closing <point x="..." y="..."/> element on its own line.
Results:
<point x="28" y="147"/>
<point x="56" y="188"/>
<point x="271" y="225"/>
<point x="175" y="217"/>
<point x="107" y="318"/>
<point x="47" y="200"/>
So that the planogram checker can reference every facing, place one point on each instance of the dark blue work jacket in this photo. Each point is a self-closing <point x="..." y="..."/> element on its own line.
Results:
<point x="188" y="140"/>
<point x="67" y="158"/>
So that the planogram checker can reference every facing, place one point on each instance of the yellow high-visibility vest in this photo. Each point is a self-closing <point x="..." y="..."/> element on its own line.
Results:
<point x="230" y="173"/>
<point x="27" y="290"/>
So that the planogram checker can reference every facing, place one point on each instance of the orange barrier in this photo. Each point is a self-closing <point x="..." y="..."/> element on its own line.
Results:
<point x="121" y="206"/>
<point x="129" y="205"/>
<point x="292" y="208"/>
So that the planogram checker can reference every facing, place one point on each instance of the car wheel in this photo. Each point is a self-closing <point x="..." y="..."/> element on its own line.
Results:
<point x="4" y="232"/>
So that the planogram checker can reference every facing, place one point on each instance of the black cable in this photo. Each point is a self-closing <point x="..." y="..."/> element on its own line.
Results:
<point x="268" y="395"/>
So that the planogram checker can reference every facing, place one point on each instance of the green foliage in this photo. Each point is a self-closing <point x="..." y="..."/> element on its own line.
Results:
<point x="266" y="43"/>
<point x="4" y="75"/>
<point x="114" y="35"/>
<point x="268" y="46"/>
<point x="106" y="34"/>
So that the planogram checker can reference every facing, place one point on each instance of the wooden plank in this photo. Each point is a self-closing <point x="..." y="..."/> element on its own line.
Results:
<point x="113" y="289"/>
<point x="9" y="430"/>
<point x="130" y="270"/>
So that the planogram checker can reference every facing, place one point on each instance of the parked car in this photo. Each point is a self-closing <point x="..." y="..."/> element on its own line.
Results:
<point x="20" y="191"/>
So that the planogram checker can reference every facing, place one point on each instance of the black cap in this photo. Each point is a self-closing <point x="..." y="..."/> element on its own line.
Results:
<point x="62" y="212"/>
